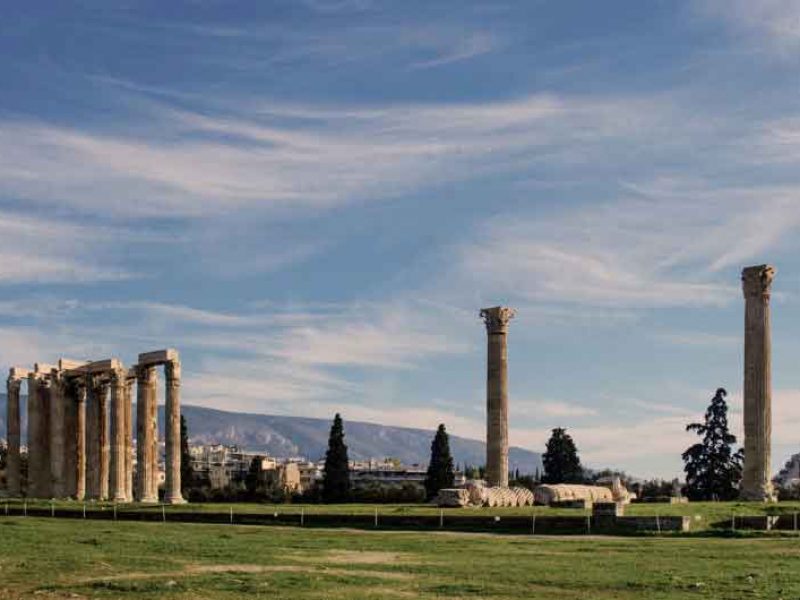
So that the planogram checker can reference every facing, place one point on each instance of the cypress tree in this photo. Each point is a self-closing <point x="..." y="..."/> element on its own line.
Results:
<point x="187" y="473"/>
<point x="713" y="470"/>
<point x="336" y="478"/>
<point x="440" y="468"/>
<point x="560" y="461"/>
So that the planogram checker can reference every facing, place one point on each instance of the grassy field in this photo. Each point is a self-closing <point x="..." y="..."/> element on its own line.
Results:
<point x="703" y="514"/>
<point x="52" y="558"/>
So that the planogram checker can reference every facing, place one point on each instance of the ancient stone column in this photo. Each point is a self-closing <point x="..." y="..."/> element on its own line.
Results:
<point x="13" y="434"/>
<point x="57" y="439"/>
<point x="756" y="284"/>
<point x="146" y="436"/>
<point x="80" y="440"/>
<point x="497" y="319"/>
<point x="97" y="439"/>
<point x="70" y="437"/>
<point x="118" y="463"/>
<point x="129" y="381"/>
<point x="45" y="480"/>
<point x="34" y="437"/>
<point x="172" y="433"/>
<point x="104" y="440"/>
<point x="92" y="440"/>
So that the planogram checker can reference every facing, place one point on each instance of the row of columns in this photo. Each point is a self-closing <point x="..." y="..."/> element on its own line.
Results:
<point x="80" y="430"/>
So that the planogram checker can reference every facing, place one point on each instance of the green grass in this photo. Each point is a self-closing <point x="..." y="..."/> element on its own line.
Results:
<point x="703" y="514"/>
<point x="53" y="558"/>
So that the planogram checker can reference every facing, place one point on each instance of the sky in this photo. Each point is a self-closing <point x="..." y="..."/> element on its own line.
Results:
<point x="312" y="199"/>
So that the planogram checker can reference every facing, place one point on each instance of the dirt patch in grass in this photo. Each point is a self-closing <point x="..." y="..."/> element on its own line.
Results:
<point x="201" y="569"/>
<point x="360" y="557"/>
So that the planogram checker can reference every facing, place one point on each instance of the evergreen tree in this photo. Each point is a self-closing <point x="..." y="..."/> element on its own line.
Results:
<point x="336" y="479"/>
<point x="251" y="480"/>
<point x="187" y="473"/>
<point x="713" y="470"/>
<point x="440" y="468"/>
<point x="560" y="461"/>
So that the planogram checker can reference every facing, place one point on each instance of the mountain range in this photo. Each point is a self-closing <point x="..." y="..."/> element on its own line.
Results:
<point x="284" y="436"/>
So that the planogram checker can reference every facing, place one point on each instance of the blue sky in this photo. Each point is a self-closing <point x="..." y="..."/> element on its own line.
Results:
<point x="312" y="199"/>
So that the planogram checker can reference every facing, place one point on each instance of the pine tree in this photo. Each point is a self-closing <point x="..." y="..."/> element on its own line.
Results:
<point x="713" y="470"/>
<point x="336" y="478"/>
<point x="440" y="468"/>
<point x="252" y="479"/>
<point x="187" y="473"/>
<point x="560" y="461"/>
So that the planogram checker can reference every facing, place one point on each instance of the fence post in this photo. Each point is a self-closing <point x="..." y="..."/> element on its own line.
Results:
<point x="795" y="522"/>
<point x="533" y="523"/>
<point x="588" y="524"/>
<point x="733" y="521"/>
<point x="231" y="515"/>
<point x="25" y="508"/>
<point x="658" y="524"/>
<point x="52" y="509"/>
<point x="302" y="516"/>
<point x="441" y="518"/>
<point x="115" y="511"/>
<point x="6" y="508"/>
<point x="163" y="514"/>
<point x="376" y="516"/>
<point x="84" y="510"/>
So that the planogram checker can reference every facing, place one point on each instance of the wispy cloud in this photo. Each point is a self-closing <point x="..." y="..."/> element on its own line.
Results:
<point x="777" y="22"/>
<point x="660" y="249"/>
<point x="46" y="250"/>
<point x="193" y="163"/>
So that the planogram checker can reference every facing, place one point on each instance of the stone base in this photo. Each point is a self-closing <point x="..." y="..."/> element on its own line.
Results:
<point x="175" y="500"/>
<point x="148" y="500"/>
<point x="760" y="493"/>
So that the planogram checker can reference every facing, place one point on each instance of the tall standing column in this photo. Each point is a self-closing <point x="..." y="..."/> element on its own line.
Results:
<point x="33" y="438"/>
<point x="756" y="285"/>
<point x="118" y="462"/>
<point x="45" y="480"/>
<point x="146" y="436"/>
<point x="56" y="442"/>
<point x="172" y="433"/>
<point x="92" y="439"/>
<point x="80" y="440"/>
<point x="129" y="381"/>
<point x="70" y="437"/>
<point x="13" y="435"/>
<point x="496" y="320"/>
<point x="104" y="440"/>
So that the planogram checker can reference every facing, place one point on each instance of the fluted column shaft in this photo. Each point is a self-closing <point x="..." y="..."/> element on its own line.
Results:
<point x="34" y="438"/>
<point x="70" y="438"/>
<point x="118" y="488"/>
<point x="80" y="441"/>
<point x="496" y="320"/>
<point x="146" y="436"/>
<point x="172" y="433"/>
<point x="97" y="439"/>
<point x="756" y="483"/>
<point x="13" y="435"/>
<point x="128" y="438"/>
<point x="56" y="441"/>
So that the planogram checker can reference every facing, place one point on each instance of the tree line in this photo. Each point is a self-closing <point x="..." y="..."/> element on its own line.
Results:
<point x="713" y="467"/>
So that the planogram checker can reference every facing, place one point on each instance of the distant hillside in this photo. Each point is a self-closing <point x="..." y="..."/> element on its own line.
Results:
<point x="283" y="436"/>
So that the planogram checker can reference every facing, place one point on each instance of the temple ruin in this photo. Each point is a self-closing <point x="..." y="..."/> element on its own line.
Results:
<point x="80" y="440"/>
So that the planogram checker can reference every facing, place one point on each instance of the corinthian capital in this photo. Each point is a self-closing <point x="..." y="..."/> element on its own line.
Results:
<point x="757" y="281"/>
<point x="497" y="318"/>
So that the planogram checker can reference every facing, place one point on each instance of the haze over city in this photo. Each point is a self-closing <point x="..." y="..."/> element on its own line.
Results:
<point x="314" y="199"/>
